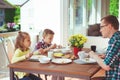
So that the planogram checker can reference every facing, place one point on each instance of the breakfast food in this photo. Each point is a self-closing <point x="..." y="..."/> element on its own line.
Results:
<point x="73" y="57"/>
<point x="69" y="56"/>
<point x="58" y="54"/>
<point x="63" y="61"/>
<point x="87" y="59"/>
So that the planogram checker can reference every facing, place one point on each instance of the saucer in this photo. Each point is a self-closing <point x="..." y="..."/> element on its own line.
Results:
<point x="84" y="61"/>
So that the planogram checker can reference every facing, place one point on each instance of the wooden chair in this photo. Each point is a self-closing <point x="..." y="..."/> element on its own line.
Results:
<point x="44" y="76"/>
<point x="16" y="77"/>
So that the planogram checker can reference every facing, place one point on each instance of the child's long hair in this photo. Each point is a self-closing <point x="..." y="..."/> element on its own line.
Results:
<point x="20" y="40"/>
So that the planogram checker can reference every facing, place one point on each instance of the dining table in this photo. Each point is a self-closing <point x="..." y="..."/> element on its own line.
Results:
<point x="72" y="69"/>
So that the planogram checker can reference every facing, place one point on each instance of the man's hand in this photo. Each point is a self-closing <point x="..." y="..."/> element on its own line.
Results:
<point x="92" y="54"/>
<point x="102" y="56"/>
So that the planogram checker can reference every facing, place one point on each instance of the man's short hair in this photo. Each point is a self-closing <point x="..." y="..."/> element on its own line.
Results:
<point x="110" y="19"/>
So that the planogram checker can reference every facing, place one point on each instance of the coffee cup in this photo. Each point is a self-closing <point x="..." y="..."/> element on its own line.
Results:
<point x="82" y="55"/>
<point x="93" y="48"/>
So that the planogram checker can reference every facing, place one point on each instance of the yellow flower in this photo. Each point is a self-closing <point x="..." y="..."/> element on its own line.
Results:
<point x="77" y="40"/>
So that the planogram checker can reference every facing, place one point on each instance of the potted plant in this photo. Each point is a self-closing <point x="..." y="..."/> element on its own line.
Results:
<point x="77" y="42"/>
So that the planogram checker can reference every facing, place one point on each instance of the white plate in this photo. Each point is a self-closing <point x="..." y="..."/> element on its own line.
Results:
<point x="61" y="61"/>
<point x="36" y="57"/>
<point x="44" y="60"/>
<point x="88" y="60"/>
<point x="66" y="50"/>
<point x="79" y="61"/>
<point x="56" y="50"/>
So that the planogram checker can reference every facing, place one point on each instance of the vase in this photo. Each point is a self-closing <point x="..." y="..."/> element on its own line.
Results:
<point x="76" y="50"/>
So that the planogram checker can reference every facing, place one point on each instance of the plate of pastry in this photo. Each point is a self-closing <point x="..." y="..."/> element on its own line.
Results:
<point x="36" y="57"/>
<point x="89" y="60"/>
<point x="61" y="61"/>
<point x="85" y="61"/>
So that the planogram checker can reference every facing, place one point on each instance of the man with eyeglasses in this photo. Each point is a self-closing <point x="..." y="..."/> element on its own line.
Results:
<point x="111" y="64"/>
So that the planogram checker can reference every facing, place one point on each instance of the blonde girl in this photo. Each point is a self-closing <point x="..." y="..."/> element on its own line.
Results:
<point x="22" y="52"/>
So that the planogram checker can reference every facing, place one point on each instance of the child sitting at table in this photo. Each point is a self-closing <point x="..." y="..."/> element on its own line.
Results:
<point x="46" y="44"/>
<point x="22" y="52"/>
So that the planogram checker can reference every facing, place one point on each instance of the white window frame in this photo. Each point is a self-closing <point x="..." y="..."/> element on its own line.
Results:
<point x="98" y="8"/>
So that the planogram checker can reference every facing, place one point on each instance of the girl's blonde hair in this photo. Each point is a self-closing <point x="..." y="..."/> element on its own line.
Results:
<point x="20" y="40"/>
<point x="47" y="31"/>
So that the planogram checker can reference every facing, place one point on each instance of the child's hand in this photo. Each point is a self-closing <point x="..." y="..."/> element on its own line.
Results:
<point x="28" y="55"/>
<point x="41" y="50"/>
<point x="59" y="46"/>
<point x="53" y="46"/>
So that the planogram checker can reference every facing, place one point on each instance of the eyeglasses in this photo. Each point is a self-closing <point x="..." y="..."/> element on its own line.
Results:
<point x="103" y="26"/>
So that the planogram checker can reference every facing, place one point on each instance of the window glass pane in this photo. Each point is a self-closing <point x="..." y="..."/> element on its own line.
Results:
<point x="78" y="15"/>
<point x="79" y="12"/>
<point x="1" y="17"/>
<point x="89" y="10"/>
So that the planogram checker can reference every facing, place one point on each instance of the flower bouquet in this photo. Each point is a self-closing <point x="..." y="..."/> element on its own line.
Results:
<point x="9" y="27"/>
<point x="77" y="42"/>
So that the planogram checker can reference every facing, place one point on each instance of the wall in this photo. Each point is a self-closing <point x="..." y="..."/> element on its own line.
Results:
<point x="100" y="42"/>
<point x="36" y="15"/>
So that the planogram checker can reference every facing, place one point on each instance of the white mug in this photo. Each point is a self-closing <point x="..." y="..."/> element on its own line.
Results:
<point x="82" y="54"/>
<point x="50" y="54"/>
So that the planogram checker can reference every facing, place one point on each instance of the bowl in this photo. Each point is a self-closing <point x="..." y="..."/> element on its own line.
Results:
<point x="44" y="60"/>
<point x="56" y="50"/>
<point x="66" y="50"/>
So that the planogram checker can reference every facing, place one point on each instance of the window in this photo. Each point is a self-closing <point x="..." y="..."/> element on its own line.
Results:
<point x="1" y="17"/>
<point x="85" y="12"/>
<point x="78" y="14"/>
